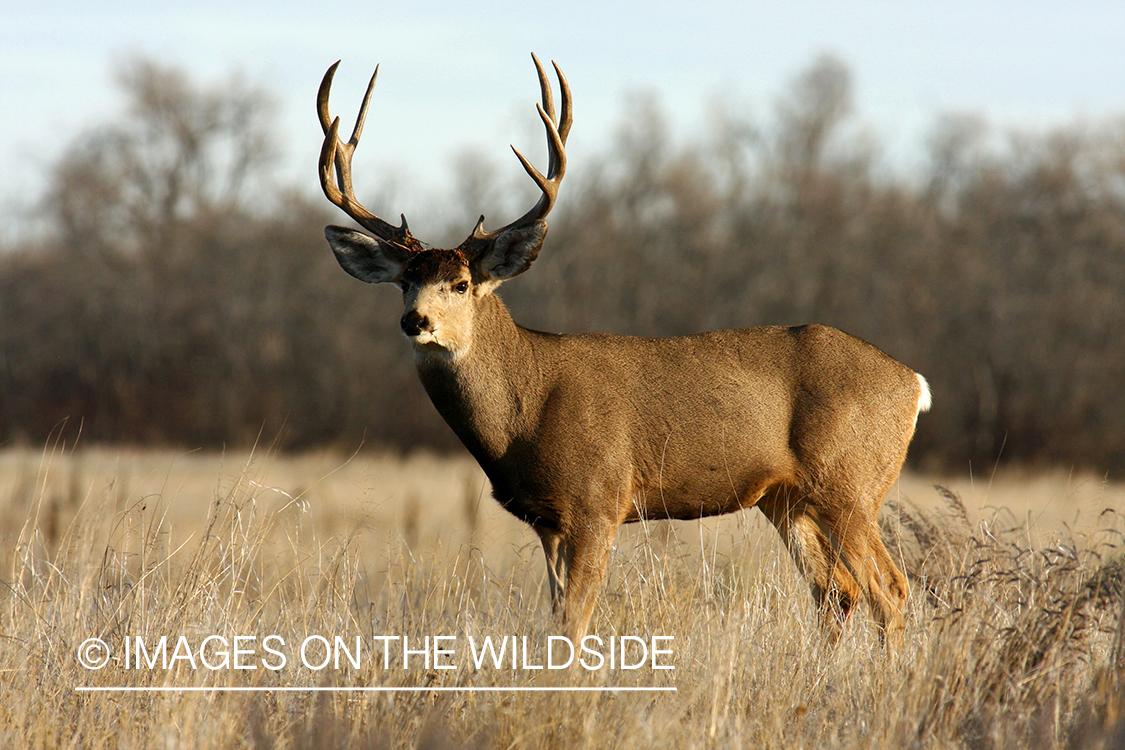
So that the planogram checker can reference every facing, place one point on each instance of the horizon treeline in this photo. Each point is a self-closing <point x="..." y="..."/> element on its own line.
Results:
<point x="177" y="296"/>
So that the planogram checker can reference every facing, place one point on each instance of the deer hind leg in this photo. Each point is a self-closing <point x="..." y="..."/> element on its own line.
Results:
<point x="834" y="591"/>
<point x="888" y="589"/>
<point x="888" y="583"/>
<point x="837" y="547"/>
<point x="852" y="541"/>
<point x="856" y="531"/>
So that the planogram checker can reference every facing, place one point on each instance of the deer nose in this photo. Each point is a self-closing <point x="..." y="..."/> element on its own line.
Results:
<point x="413" y="323"/>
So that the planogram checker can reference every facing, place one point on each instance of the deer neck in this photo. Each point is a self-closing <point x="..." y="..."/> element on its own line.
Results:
<point x="488" y="393"/>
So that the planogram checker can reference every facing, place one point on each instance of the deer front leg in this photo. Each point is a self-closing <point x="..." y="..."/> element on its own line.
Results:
<point x="553" y="550"/>
<point x="587" y="554"/>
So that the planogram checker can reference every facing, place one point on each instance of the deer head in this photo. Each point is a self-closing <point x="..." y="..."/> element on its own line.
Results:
<point x="442" y="289"/>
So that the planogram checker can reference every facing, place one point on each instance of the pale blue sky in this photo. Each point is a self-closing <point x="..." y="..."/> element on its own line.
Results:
<point x="462" y="71"/>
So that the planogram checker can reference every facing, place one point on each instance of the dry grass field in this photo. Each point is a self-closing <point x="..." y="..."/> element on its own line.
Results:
<point x="1013" y="640"/>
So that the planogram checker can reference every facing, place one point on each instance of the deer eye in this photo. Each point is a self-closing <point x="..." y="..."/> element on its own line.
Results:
<point x="461" y="287"/>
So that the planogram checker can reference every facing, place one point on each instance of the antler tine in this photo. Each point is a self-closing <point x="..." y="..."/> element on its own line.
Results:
<point x="545" y="88"/>
<point x="565" y="122"/>
<point x="557" y="131"/>
<point x="322" y="98"/>
<point x="335" y="153"/>
<point x="344" y="166"/>
<point x="357" y="131"/>
<point x="557" y="162"/>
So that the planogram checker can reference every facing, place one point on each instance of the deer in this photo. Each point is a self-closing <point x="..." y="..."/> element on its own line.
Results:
<point x="581" y="433"/>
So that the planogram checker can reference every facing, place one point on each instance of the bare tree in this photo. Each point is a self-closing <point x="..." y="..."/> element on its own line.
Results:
<point x="820" y="99"/>
<point x="162" y="301"/>
<point x="182" y="151"/>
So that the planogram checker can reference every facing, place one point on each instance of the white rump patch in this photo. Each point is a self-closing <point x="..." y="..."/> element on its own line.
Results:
<point x="925" y="400"/>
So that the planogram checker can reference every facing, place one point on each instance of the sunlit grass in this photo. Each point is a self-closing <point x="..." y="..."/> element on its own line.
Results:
<point x="1013" y="632"/>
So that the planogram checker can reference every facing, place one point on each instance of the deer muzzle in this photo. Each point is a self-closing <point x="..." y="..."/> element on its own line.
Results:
<point x="414" y="324"/>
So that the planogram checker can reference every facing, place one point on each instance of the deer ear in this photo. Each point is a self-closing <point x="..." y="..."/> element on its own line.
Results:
<point x="511" y="253"/>
<point x="367" y="258"/>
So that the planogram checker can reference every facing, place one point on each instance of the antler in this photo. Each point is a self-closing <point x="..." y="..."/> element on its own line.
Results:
<point x="557" y="131"/>
<point x="336" y="153"/>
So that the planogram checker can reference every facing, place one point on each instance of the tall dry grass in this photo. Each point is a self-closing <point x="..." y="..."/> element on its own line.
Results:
<point x="1014" y="634"/>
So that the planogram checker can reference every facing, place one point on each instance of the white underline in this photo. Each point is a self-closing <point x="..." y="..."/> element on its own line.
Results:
<point x="291" y="689"/>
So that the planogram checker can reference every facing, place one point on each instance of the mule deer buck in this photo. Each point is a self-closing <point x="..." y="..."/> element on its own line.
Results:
<point x="579" y="434"/>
